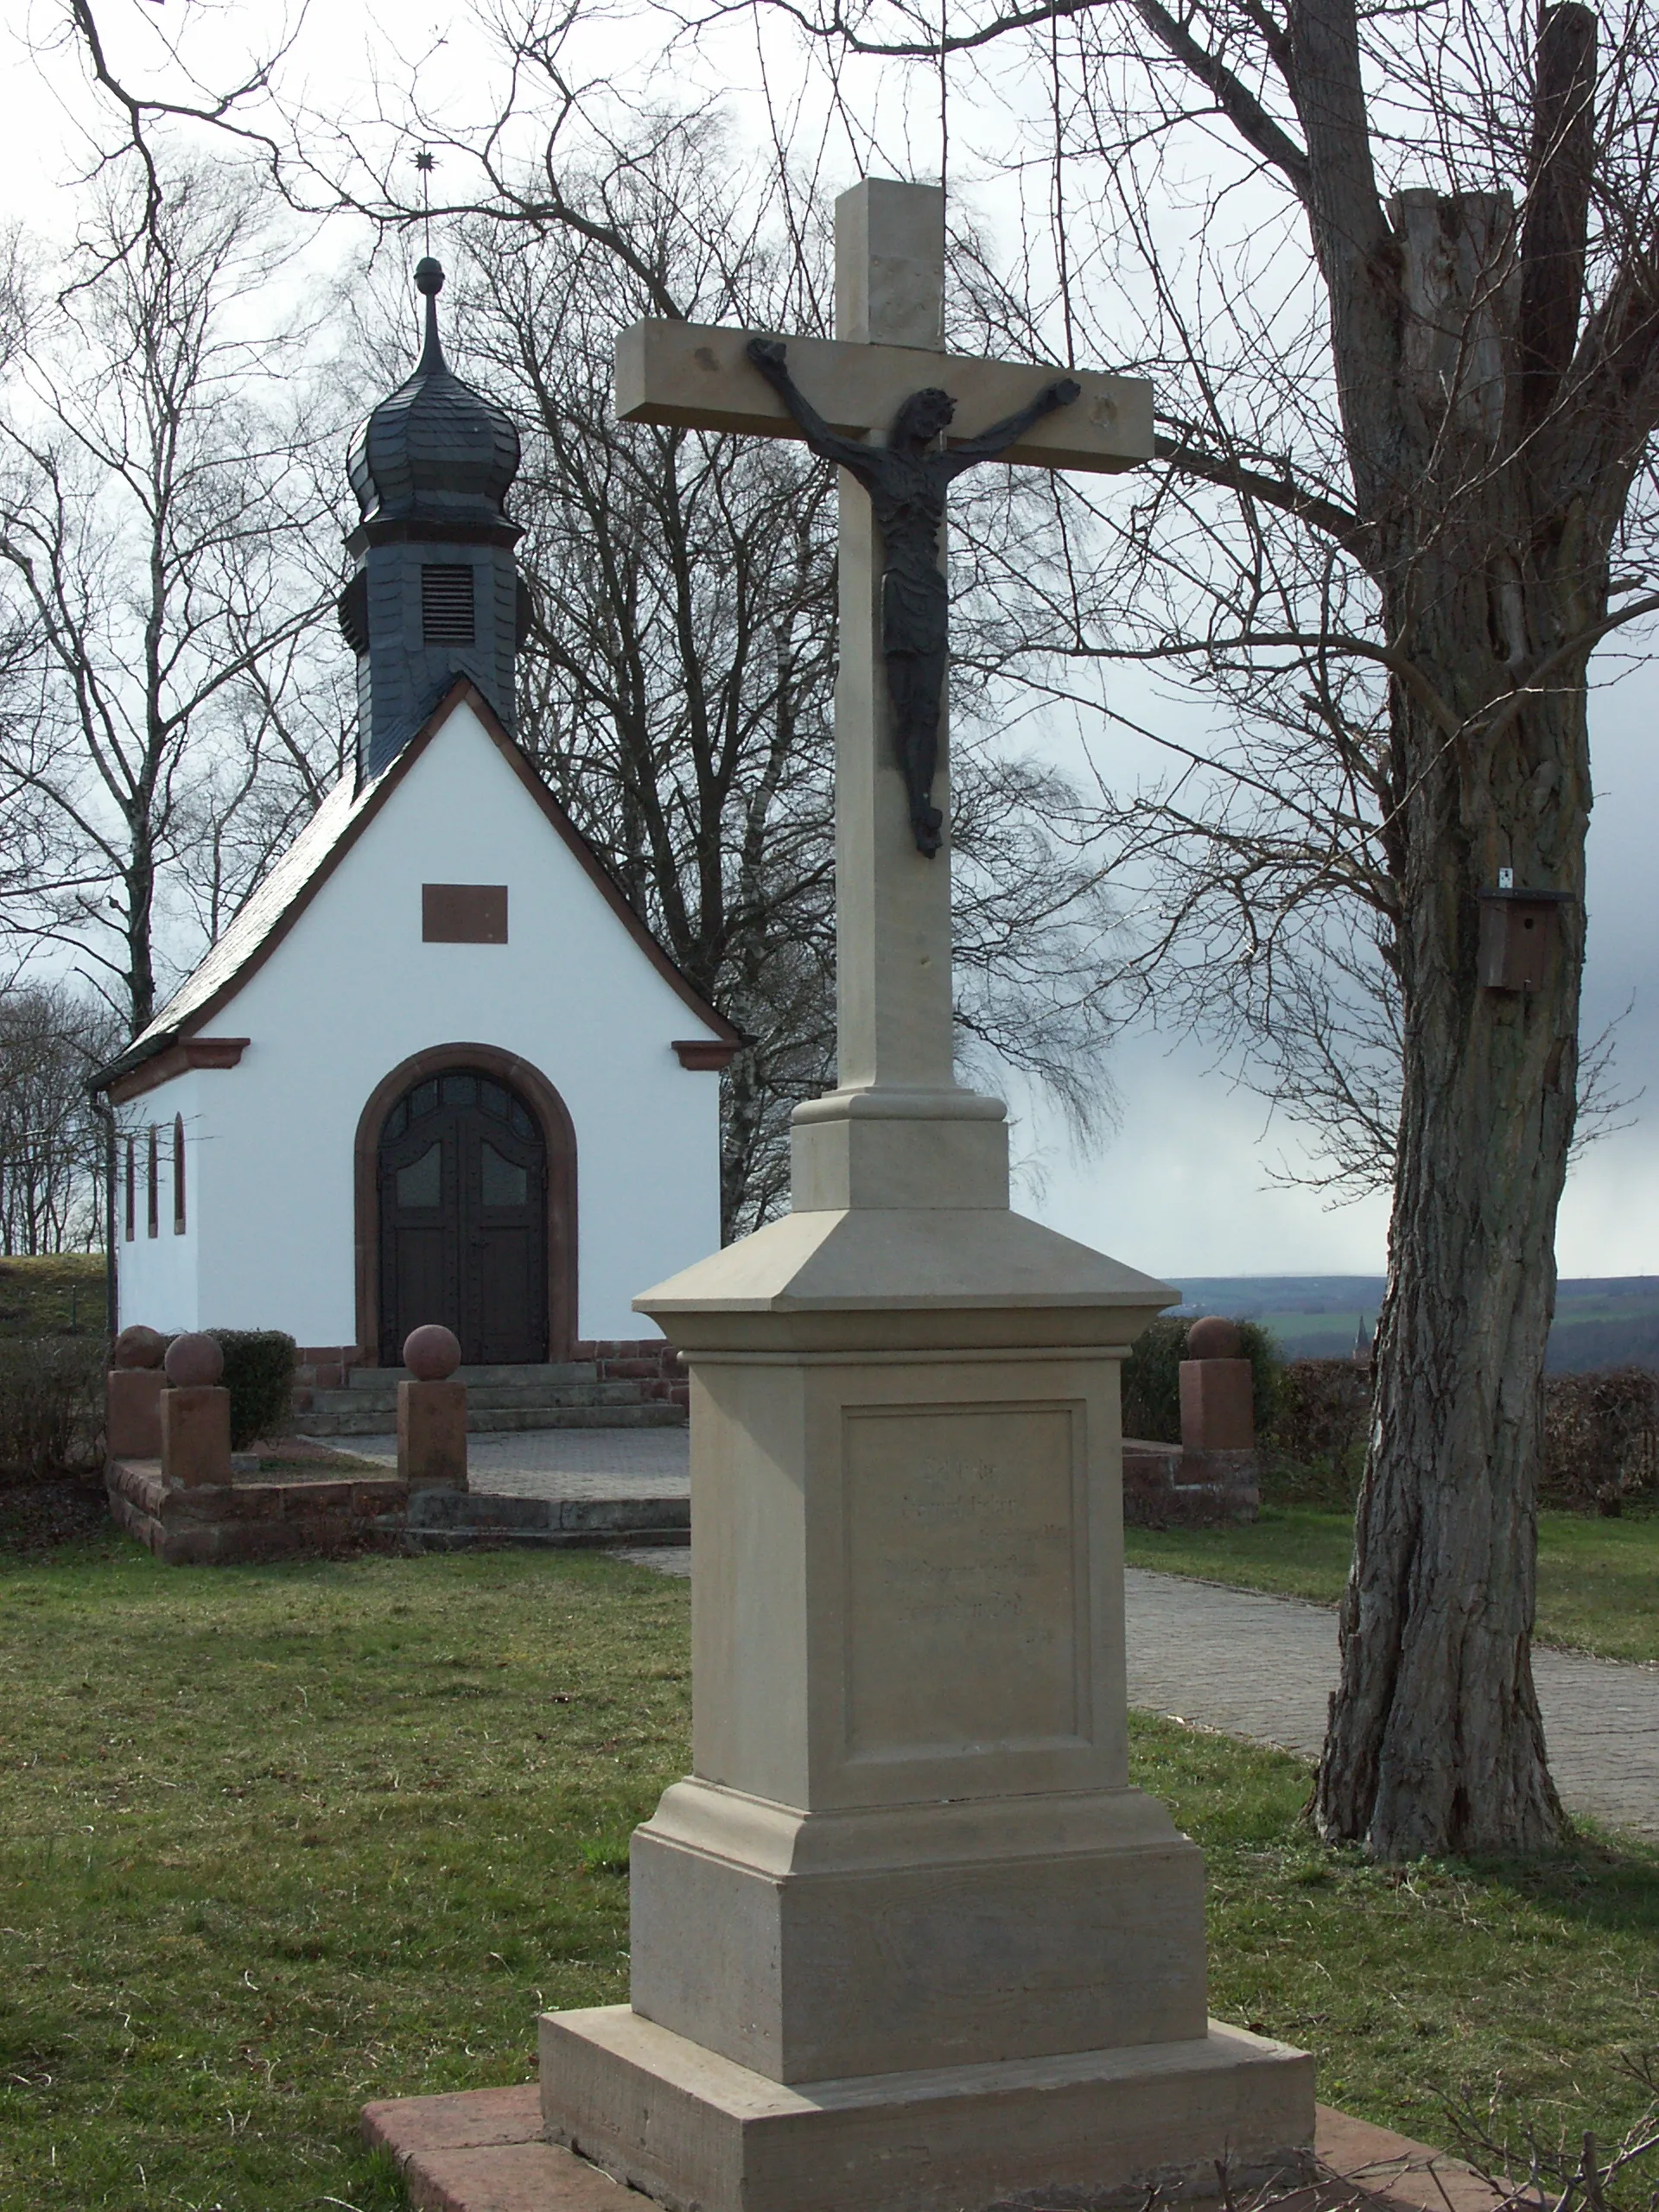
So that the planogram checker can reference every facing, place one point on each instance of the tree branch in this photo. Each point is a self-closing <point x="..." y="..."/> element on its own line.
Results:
<point x="1237" y="103"/>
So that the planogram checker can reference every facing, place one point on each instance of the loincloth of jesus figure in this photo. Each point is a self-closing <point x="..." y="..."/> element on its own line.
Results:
<point x="907" y="479"/>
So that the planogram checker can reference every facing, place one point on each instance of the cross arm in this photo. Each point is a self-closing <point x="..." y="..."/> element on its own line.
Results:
<point x="768" y="356"/>
<point x="993" y="444"/>
<point x="697" y="376"/>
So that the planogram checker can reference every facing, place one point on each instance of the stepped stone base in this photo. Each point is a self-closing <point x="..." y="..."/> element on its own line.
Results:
<point x="486" y="2151"/>
<point x="214" y="1524"/>
<point x="1093" y="2130"/>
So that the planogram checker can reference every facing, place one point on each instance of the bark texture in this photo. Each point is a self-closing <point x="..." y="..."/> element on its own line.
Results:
<point x="1493" y="453"/>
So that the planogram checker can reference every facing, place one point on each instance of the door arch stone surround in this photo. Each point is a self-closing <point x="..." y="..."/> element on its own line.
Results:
<point x="559" y="1139"/>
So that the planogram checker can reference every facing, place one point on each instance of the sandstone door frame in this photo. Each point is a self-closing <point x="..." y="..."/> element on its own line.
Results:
<point x="558" y="1139"/>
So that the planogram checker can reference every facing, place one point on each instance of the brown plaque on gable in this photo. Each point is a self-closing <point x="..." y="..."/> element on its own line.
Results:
<point x="464" y="913"/>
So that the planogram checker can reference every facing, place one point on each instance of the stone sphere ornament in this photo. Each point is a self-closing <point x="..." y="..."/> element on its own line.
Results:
<point x="194" y="1361"/>
<point x="431" y="1353"/>
<point x="1214" y="1338"/>
<point x="138" y="1346"/>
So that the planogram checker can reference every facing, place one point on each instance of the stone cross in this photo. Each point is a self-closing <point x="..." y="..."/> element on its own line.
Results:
<point x="893" y="903"/>
<point x="906" y="1935"/>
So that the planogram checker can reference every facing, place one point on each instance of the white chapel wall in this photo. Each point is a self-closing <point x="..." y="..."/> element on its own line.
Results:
<point x="352" y="992"/>
<point x="156" y="1276"/>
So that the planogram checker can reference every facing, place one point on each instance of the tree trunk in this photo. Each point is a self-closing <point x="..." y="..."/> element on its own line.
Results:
<point x="1435" y="1744"/>
<point x="139" y="920"/>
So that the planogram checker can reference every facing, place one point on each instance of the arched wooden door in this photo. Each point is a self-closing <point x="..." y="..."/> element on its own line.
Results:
<point x="461" y="1173"/>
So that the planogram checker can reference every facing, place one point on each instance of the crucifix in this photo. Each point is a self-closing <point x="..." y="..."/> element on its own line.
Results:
<point x="906" y="1935"/>
<point x="900" y="417"/>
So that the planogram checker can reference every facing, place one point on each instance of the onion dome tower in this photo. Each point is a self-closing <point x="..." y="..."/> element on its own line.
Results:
<point x="438" y="593"/>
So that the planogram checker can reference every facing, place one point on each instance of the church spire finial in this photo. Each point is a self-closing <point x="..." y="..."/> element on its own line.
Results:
<point x="428" y="280"/>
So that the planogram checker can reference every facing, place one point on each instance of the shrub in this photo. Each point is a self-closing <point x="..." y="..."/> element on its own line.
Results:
<point x="1152" y="1387"/>
<point x="51" y="1405"/>
<point x="1601" y="1438"/>
<point x="1324" y="1409"/>
<point x="259" y="1375"/>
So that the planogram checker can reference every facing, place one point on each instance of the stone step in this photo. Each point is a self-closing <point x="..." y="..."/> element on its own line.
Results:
<point x="552" y="1540"/>
<point x="493" y="1395"/>
<point x="560" y="1372"/>
<point x="481" y="1508"/>
<point x="448" y="1520"/>
<point x="373" y="1419"/>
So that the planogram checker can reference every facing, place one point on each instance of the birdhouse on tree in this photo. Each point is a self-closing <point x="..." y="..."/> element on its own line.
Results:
<point x="1518" y="932"/>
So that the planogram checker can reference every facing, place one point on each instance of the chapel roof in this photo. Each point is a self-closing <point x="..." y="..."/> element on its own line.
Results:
<point x="434" y="451"/>
<point x="287" y="889"/>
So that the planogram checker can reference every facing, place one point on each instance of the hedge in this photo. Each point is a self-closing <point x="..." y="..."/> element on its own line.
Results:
<point x="51" y="1405"/>
<point x="1601" y="1445"/>
<point x="259" y="1375"/>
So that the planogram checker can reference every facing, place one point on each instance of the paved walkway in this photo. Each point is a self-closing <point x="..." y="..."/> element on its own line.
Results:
<point x="563" y="1463"/>
<point x="1264" y="1667"/>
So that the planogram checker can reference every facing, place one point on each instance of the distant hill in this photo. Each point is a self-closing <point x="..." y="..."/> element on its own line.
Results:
<point x="1600" y="1320"/>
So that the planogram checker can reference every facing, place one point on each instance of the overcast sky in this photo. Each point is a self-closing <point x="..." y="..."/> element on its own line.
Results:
<point x="1181" y="1186"/>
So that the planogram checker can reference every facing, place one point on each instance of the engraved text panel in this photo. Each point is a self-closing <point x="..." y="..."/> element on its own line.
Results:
<point x="964" y="1601"/>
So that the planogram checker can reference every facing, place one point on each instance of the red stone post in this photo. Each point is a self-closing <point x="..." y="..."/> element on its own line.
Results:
<point x="133" y="1396"/>
<point x="195" y="1415"/>
<point x="1218" y="1409"/>
<point x="432" y="1411"/>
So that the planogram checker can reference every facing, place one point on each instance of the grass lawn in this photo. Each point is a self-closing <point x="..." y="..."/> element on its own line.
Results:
<point x="1597" y="1580"/>
<point x="47" y="1297"/>
<point x="274" y="1840"/>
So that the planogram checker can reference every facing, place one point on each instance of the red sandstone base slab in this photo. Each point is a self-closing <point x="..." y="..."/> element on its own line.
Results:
<point x="482" y="2151"/>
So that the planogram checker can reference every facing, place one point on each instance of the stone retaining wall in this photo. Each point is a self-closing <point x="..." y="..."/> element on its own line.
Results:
<point x="650" y="1362"/>
<point x="213" y="1522"/>
<point x="1171" y="1485"/>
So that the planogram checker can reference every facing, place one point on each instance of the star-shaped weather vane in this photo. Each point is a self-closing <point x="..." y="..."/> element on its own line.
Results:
<point x="426" y="161"/>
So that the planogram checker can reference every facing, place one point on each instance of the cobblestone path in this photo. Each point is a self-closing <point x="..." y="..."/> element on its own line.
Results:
<point x="1263" y="1668"/>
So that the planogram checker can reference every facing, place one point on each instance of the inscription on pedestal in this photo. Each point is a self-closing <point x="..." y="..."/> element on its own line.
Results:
<point x="967" y="1626"/>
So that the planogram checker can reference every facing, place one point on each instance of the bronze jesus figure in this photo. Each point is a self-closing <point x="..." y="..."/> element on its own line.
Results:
<point x="907" y="479"/>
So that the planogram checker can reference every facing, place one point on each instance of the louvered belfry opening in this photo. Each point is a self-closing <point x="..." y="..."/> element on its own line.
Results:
<point x="447" y="617"/>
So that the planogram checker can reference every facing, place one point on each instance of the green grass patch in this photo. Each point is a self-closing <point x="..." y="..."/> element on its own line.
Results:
<point x="1598" y="1579"/>
<point x="1412" y="1984"/>
<point x="276" y="1841"/>
<point x="61" y="1293"/>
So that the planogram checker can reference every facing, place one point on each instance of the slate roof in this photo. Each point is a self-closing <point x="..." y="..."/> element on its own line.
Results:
<point x="434" y="451"/>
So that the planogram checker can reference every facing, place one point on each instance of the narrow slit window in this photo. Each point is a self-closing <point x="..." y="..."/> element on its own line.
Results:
<point x="178" y="1174"/>
<point x="132" y="1189"/>
<point x="447" y="616"/>
<point x="154" y="1193"/>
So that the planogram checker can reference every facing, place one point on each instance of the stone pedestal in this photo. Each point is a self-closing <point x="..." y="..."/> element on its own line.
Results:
<point x="907" y="1938"/>
<point x="195" y="1435"/>
<point x="432" y="1435"/>
<point x="1217" y="1411"/>
<point x="132" y="1412"/>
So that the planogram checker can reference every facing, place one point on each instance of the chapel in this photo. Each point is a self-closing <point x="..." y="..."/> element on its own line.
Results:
<point x="437" y="1068"/>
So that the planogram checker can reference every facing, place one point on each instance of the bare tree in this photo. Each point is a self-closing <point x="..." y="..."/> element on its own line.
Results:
<point x="166" y="548"/>
<point x="1396" y="275"/>
<point x="52" y="1143"/>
